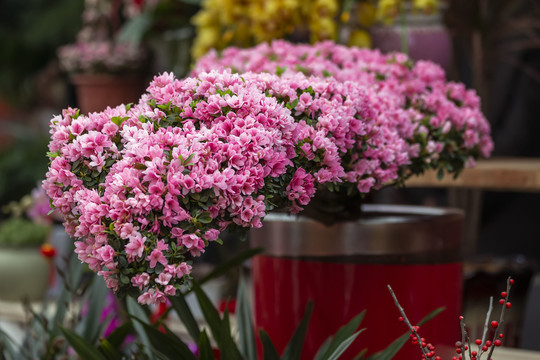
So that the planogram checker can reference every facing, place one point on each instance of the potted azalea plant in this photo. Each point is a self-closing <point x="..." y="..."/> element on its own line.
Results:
<point x="146" y="187"/>
<point x="103" y="70"/>
<point x="437" y="124"/>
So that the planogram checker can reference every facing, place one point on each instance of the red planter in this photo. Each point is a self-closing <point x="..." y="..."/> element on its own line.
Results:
<point x="345" y="268"/>
<point x="97" y="91"/>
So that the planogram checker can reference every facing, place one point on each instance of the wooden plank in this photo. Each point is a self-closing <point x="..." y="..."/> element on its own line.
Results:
<point x="501" y="174"/>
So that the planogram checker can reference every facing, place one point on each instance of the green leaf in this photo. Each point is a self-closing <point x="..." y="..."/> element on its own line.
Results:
<point x="134" y="309"/>
<point x="72" y="281"/>
<point x="205" y="218"/>
<point x="280" y="70"/>
<point x="179" y="304"/>
<point x="221" y="269"/>
<point x="134" y="29"/>
<point x="205" y="348"/>
<point x="228" y="347"/>
<point x="7" y="344"/>
<point x="166" y="343"/>
<point x="269" y="351"/>
<point x="344" y="332"/>
<point x="245" y="323"/>
<point x="397" y="344"/>
<point x="220" y="329"/>
<point x="293" y="350"/>
<point x="109" y="350"/>
<point x="83" y="348"/>
<point x="440" y="174"/>
<point x="344" y="345"/>
<point x="118" y="336"/>
<point x="91" y="325"/>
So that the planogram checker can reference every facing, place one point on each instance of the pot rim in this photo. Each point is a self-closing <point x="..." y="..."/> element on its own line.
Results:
<point x="411" y="233"/>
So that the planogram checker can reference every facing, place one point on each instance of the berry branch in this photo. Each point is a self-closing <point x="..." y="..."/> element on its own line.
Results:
<point x="464" y="346"/>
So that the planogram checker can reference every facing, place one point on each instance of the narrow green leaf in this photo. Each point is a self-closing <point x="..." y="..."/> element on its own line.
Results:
<point x="440" y="174"/>
<point x="209" y="311"/>
<point x="72" y="281"/>
<point x="344" y="332"/>
<point x="344" y="345"/>
<point x="293" y="350"/>
<point x="269" y="351"/>
<point x="431" y="315"/>
<point x="7" y="344"/>
<point x="245" y="323"/>
<point x="221" y="329"/>
<point x="109" y="351"/>
<point x="205" y="348"/>
<point x="118" y="336"/>
<point x="226" y="266"/>
<point x="83" y="348"/>
<point x="397" y="344"/>
<point x="166" y="343"/>
<point x="135" y="310"/>
<point x="91" y="325"/>
<point x="179" y="304"/>
<point x="228" y="348"/>
<point x="391" y="350"/>
<point x="361" y="355"/>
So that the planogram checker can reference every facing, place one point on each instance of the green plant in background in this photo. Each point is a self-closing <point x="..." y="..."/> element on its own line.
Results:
<point x="18" y="232"/>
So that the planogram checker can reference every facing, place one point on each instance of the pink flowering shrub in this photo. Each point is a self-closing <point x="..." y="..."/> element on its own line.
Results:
<point x="143" y="188"/>
<point x="100" y="57"/>
<point x="441" y="121"/>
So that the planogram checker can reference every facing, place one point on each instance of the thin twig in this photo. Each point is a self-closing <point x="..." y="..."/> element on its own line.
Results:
<point x="501" y="317"/>
<point x="486" y="325"/>
<point x="406" y="320"/>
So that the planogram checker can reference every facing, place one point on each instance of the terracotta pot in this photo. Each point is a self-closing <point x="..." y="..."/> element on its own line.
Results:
<point x="97" y="91"/>
<point x="346" y="268"/>
<point x="24" y="273"/>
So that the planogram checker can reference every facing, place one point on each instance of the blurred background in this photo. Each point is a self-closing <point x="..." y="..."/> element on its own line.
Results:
<point x="54" y="52"/>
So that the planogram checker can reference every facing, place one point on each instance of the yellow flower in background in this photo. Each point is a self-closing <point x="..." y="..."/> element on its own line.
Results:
<point x="360" y="38"/>
<point x="366" y="14"/>
<point x="388" y="10"/>
<point x="222" y="23"/>
<point x="426" y="6"/>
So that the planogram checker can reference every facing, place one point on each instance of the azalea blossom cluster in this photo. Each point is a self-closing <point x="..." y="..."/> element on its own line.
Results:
<point x="441" y="121"/>
<point x="99" y="57"/>
<point x="144" y="188"/>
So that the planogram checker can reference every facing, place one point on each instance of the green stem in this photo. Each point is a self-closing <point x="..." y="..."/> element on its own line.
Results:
<point x="403" y="28"/>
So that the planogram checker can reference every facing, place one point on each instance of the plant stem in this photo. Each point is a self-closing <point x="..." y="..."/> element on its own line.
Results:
<point x="403" y="29"/>
<point x="406" y="320"/>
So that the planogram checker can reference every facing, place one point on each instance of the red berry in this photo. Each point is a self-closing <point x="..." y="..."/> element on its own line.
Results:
<point x="478" y="342"/>
<point x="488" y="343"/>
<point x="503" y="294"/>
<point x="485" y="348"/>
<point x="511" y="281"/>
<point x="508" y="305"/>
<point x="501" y="301"/>
<point x="501" y="335"/>
<point x="497" y="342"/>
<point x="474" y="353"/>
<point x="494" y="324"/>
